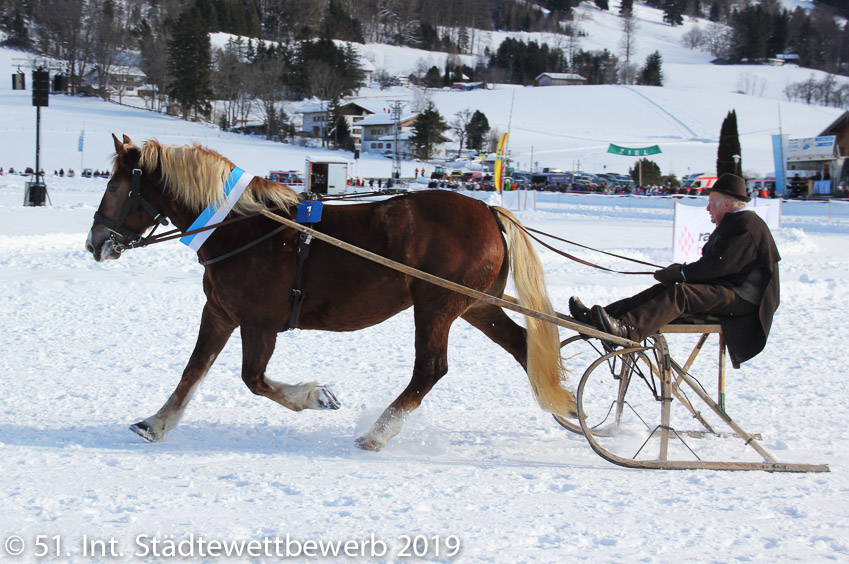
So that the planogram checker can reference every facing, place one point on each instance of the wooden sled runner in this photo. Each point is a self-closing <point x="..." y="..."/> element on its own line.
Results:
<point x="637" y="382"/>
<point x="636" y="386"/>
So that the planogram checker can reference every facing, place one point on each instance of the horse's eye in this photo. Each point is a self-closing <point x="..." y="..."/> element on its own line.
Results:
<point x="113" y="188"/>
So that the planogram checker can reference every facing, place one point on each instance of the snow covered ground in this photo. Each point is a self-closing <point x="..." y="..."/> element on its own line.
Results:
<point x="90" y="348"/>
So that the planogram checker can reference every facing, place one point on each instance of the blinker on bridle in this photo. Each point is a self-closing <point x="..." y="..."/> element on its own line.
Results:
<point x="134" y="200"/>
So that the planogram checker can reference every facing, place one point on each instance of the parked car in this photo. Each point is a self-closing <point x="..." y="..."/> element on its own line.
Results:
<point x="288" y="177"/>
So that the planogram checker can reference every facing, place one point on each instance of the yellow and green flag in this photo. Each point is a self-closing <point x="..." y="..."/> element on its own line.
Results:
<point x="499" y="160"/>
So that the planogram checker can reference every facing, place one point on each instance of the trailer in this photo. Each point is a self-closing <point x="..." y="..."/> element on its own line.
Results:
<point x="326" y="175"/>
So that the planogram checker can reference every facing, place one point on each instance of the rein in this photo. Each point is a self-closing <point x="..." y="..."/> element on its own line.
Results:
<point x="151" y="239"/>
<point x="530" y="232"/>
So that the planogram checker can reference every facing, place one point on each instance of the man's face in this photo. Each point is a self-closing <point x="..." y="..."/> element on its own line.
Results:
<point x="718" y="206"/>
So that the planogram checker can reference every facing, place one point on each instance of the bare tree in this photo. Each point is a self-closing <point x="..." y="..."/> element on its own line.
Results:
<point x="459" y="126"/>
<point x="422" y="98"/>
<point x="108" y="41"/>
<point x="63" y="35"/>
<point x="628" y="47"/>
<point x="717" y="37"/>
<point x="229" y="82"/>
<point x="492" y="139"/>
<point x="266" y="85"/>
<point x="694" y="39"/>
<point x="153" y="61"/>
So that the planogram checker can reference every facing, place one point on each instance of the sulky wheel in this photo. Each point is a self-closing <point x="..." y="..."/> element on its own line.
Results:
<point x="578" y="350"/>
<point x="621" y="402"/>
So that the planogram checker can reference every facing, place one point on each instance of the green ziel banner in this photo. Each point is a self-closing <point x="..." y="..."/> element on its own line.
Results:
<point x="617" y="150"/>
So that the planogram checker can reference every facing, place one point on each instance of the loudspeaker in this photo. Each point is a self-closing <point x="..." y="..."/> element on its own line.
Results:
<point x="19" y="81"/>
<point x="60" y="83"/>
<point x="40" y="88"/>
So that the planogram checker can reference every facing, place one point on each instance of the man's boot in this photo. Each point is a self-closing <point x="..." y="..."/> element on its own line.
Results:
<point x="604" y="322"/>
<point x="579" y="311"/>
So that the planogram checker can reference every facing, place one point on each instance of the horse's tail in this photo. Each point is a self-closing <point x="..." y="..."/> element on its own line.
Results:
<point x="544" y="366"/>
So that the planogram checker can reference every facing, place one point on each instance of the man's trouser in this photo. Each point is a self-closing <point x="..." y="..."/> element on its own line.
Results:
<point x="654" y="307"/>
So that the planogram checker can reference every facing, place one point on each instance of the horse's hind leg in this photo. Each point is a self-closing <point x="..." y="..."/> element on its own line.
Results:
<point x="502" y="330"/>
<point x="215" y="330"/>
<point x="431" y="364"/>
<point x="257" y="348"/>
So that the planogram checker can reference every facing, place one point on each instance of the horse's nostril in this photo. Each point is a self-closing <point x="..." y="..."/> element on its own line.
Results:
<point x="89" y="247"/>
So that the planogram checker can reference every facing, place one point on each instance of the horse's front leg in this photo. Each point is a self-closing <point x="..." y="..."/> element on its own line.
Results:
<point x="431" y="364"/>
<point x="257" y="347"/>
<point x="215" y="330"/>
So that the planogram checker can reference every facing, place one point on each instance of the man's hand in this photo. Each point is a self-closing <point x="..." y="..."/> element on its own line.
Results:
<point x="669" y="275"/>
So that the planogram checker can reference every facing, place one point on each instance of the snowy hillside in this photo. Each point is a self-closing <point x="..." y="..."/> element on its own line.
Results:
<point x="564" y="127"/>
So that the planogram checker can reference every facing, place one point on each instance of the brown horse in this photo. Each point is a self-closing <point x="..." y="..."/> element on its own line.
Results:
<point x="440" y="232"/>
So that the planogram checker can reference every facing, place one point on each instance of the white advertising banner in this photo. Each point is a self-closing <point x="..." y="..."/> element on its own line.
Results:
<point x="691" y="227"/>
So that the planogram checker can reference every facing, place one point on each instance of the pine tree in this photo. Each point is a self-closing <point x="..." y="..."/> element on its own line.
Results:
<point x="190" y="64"/>
<point x="626" y="7"/>
<point x="340" y="133"/>
<point x="476" y="131"/>
<point x="17" y="33"/>
<point x="729" y="146"/>
<point x="652" y="74"/>
<point x="715" y="12"/>
<point x="647" y="172"/>
<point x="673" y="12"/>
<point x="427" y="132"/>
<point x="433" y="78"/>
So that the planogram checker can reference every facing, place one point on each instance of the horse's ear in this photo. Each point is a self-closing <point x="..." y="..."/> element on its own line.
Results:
<point x="119" y="147"/>
<point x="127" y="140"/>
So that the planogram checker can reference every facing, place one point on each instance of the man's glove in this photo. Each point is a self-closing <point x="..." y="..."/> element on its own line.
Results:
<point x="670" y="275"/>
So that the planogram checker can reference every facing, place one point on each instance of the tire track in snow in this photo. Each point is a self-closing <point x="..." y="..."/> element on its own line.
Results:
<point x="689" y="133"/>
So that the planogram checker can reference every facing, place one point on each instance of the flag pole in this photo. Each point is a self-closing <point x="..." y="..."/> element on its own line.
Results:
<point x="82" y="148"/>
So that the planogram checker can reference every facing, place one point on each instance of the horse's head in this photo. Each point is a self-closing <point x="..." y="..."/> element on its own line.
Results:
<point x="125" y="211"/>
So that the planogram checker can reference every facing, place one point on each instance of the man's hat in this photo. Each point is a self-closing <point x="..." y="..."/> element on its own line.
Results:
<point x="730" y="185"/>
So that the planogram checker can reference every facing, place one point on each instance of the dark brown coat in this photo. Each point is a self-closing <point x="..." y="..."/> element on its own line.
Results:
<point x="740" y="243"/>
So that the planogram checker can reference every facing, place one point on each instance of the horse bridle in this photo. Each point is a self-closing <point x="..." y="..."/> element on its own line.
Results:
<point x="134" y="200"/>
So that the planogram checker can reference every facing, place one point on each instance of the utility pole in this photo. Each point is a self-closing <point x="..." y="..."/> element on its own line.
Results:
<point x="396" y="106"/>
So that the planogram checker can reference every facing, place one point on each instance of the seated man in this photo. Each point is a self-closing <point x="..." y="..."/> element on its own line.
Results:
<point x="736" y="279"/>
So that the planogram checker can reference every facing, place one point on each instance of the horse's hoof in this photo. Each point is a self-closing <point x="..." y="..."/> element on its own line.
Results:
<point x="367" y="444"/>
<point x="143" y="430"/>
<point x="326" y="399"/>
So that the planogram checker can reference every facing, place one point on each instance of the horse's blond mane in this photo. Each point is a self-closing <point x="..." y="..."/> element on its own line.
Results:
<point x="195" y="176"/>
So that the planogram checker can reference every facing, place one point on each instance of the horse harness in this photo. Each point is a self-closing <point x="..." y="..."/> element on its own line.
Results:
<point x="134" y="201"/>
<point x="305" y="216"/>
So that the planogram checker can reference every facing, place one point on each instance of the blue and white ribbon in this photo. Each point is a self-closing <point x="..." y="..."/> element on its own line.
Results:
<point x="234" y="186"/>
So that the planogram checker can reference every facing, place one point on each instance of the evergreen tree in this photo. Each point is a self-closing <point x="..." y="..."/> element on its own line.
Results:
<point x="729" y="146"/>
<point x="598" y="67"/>
<point x="476" y="131"/>
<point x="522" y="62"/>
<point x="673" y="12"/>
<point x="16" y="29"/>
<point x="338" y="132"/>
<point x="602" y="5"/>
<point x="777" y="40"/>
<point x="433" y="78"/>
<point x="190" y="64"/>
<point x="715" y="12"/>
<point x="626" y="7"/>
<point x="338" y="24"/>
<point x="647" y="172"/>
<point x="652" y="74"/>
<point x="428" y="128"/>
